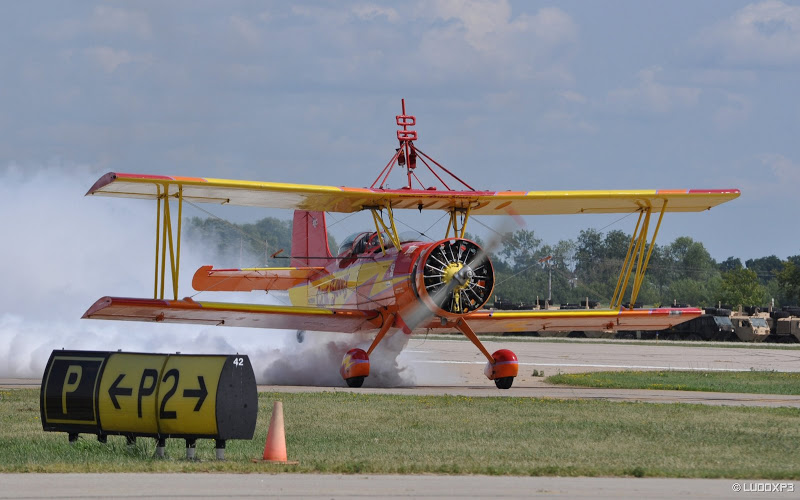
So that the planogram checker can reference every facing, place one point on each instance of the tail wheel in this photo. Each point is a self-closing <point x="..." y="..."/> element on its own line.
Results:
<point x="457" y="276"/>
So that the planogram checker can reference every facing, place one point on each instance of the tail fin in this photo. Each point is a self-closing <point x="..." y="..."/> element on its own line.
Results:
<point x="310" y="240"/>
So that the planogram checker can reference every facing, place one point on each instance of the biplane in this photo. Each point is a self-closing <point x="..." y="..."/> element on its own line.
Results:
<point x="382" y="281"/>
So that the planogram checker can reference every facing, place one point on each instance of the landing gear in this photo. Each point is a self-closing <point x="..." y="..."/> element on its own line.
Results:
<point x="504" y="382"/>
<point x="301" y="336"/>
<point x="502" y="366"/>
<point x="355" y="365"/>
<point x="355" y="381"/>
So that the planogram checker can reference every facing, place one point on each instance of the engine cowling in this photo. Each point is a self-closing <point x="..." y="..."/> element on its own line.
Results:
<point x="454" y="277"/>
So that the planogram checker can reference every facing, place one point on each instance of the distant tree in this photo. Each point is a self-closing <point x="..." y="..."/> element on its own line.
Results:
<point x="521" y="248"/>
<point x="691" y="259"/>
<point x="766" y="268"/>
<point x="730" y="264"/>
<point x="687" y="291"/>
<point x="588" y="253"/>
<point x="741" y="287"/>
<point x="789" y="280"/>
<point x="244" y="245"/>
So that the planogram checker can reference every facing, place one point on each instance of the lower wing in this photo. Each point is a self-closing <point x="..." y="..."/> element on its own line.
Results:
<point x="579" y="319"/>
<point x="359" y="321"/>
<point x="224" y="314"/>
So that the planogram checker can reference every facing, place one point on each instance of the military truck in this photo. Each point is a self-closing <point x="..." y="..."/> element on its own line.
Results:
<point x="715" y="324"/>
<point x="785" y="325"/>
<point x="750" y="325"/>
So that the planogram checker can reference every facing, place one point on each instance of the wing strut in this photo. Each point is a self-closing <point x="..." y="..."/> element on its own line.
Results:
<point x="636" y="253"/>
<point x="390" y="230"/>
<point x="166" y="238"/>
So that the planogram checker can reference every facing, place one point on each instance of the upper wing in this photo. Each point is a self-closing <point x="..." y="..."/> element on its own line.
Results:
<point x="357" y="321"/>
<point x="346" y="199"/>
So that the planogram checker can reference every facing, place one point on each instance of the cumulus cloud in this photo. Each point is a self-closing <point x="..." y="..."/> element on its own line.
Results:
<point x="246" y="29"/>
<point x="109" y="19"/>
<point x="110" y="58"/>
<point x="485" y="39"/>
<point x="472" y="42"/>
<point x="103" y="20"/>
<point x="651" y="96"/>
<point x="735" y="111"/>
<point x="765" y="33"/>
<point x="785" y="172"/>
<point x="372" y="11"/>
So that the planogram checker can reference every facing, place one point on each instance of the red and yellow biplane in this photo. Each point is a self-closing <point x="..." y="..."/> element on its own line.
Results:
<point x="382" y="281"/>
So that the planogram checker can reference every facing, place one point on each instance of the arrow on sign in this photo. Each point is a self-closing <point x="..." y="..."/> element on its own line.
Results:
<point x="115" y="390"/>
<point x="200" y="393"/>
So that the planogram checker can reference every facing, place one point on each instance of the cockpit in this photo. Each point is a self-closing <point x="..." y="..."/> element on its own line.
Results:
<point x="364" y="242"/>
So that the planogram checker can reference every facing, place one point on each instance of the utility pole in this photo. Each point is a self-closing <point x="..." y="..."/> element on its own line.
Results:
<point x="549" y="261"/>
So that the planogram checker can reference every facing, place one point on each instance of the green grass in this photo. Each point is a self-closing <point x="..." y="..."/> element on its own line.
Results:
<point x="754" y="382"/>
<point x="346" y="432"/>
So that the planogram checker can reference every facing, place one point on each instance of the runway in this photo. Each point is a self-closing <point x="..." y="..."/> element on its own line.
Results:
<point x="173" y="486"/>
<point x="455" y="367"/>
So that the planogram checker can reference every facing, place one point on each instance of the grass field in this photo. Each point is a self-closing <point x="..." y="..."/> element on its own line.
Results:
<point x="754" y="382"/>
<point x="365" y="433"/>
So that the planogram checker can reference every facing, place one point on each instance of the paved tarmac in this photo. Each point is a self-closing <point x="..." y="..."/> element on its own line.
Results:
<point x="455" y="367"/>
<point x="173" y="486"/>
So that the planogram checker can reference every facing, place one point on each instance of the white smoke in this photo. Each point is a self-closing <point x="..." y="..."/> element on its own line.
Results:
<point x="61" y="252"/>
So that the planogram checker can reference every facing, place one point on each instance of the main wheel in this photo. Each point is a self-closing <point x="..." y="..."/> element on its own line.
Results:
<point x="504" y="383"/>
<point x="301" y="335"/>
<point x="359" y="381"/>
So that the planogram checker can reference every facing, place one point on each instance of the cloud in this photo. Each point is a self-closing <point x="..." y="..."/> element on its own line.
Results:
<point x="372" y="11"/>
<point x="735" y="111"/>
<point x="760" y="34"/>
<point x="785" y="172"/>
<point x="246" y="30"/>
<point x="650" y="96"/>
<point x="110" y="59"/>
<point x="573" y="97"/>
<point x="108" y="19"/>
<point x="484" y="39"/>
<point x="470" y="42"/>
<point x="104" y="20"/>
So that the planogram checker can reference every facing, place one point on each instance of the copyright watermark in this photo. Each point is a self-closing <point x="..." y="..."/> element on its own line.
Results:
<point x="754" y="487"/>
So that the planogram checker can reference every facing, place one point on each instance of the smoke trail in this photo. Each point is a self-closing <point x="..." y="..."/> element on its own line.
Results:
<point x="62" y="252"/>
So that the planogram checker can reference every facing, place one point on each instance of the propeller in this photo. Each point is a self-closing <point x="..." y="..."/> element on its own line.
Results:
<point x="457" y="277"/>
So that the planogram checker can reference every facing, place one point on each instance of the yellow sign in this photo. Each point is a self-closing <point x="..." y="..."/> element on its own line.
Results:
<point x="159" y="395"/>
<point x="127" y="395"/>
<point x="187" y="395"/>
<point x="68" y="388"/>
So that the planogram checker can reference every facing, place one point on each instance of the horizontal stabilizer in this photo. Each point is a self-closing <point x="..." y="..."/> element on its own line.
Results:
<point x="208" y="279"/>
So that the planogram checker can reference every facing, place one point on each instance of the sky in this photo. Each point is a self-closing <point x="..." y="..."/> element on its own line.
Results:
<point x="508" y="95"/>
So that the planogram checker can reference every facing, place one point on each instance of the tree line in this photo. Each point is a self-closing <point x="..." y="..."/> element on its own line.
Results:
<point x="588" y="266"/>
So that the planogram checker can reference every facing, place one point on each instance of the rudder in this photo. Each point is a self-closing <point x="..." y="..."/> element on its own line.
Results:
<point x="310" y="240"/>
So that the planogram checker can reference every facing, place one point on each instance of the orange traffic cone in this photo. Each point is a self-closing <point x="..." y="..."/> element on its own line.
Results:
<point x="275" y="446"/>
